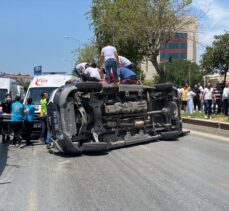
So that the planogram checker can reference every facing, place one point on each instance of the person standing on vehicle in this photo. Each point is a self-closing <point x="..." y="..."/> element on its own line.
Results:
<point x="225" y="99"/>
<point x="124" y="62"/>
<point x="17" y="117"/>
<point x="109" y="57"/>
<point x="208" y="97"/>
<point x="29" y="118"/>
<point x="43" y="115"/>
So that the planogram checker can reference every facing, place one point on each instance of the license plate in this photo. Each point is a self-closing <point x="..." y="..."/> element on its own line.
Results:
<point x="37" y="125"/>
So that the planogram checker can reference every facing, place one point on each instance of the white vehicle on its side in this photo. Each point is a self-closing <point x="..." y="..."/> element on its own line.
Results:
<point x="10" y="86"/>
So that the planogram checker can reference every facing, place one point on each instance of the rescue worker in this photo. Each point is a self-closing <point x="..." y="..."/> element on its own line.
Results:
<point x="29" y="119"/>
<point x="127" y="76"/>
<point x="91" y="73"/>
<point x="17" y="120"/>
<point x="109" y="57"/>
<point x="43" y="115"/>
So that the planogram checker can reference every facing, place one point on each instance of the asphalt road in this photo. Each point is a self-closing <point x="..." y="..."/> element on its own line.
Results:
<point x="189" y="174"/>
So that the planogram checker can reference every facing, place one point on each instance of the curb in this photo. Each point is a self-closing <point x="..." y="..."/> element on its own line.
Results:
<point x="207" y="123"/>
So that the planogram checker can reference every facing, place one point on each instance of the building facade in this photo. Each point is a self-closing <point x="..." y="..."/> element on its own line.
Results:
<point x="182" y="45"/>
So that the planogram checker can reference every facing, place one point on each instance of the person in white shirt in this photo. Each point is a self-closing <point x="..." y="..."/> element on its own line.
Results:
<point x="208" y="97"/>
<point x="189" y="98"/>
<point x="226" y="98"/>
<point x="109" y="57"/>
<point x="79" y="69"/>
<point x="124" y="62"/>
<point x="91" y="73"/>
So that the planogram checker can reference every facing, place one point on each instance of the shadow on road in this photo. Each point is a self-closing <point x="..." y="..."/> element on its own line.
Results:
<point x="3" y="157"/>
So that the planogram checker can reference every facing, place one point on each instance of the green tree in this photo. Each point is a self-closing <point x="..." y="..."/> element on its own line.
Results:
<point x="88" y="53"/>
<point x="180" y="71"/>
<point x="216" y="57"/>
<point x="138" y="26"/>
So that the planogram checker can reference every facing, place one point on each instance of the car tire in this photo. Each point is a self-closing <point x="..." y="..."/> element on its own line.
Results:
<point x="89" y="86"/>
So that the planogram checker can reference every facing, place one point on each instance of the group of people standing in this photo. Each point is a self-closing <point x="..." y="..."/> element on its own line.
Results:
<point x="115" y="69"/>
<point x="22" y="121"/>
<point x="21" y="116"/>
<point x="209" y="99"/>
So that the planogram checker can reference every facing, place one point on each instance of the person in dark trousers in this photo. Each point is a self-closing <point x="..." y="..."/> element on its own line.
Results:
<point x="43" y="115"/>
<point x="127" y="76"/>
<point x="225" y="99"/>
<point x="196" y="98"/>
<point x="208" y="98"/>
<point x="29" y="118"/>
<point x="17" y="116"/>
<point x="218" y="92"/>
<point x="6" y="108"/>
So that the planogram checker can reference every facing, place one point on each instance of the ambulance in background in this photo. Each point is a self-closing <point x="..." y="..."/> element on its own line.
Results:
<point x="48" y="83"/>
<point x="9" y="86"/>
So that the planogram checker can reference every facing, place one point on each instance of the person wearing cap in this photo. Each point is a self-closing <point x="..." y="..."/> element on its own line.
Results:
<point x="109" y="57"/>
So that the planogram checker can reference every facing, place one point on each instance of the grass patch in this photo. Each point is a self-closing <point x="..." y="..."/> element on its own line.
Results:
<point x="215" y="117"/>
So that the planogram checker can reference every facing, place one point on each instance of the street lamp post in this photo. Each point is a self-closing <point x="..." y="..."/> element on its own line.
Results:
<point x="72" y="38"/>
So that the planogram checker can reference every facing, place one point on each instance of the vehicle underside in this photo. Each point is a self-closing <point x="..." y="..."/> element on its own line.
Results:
<point x="92" y="117"/>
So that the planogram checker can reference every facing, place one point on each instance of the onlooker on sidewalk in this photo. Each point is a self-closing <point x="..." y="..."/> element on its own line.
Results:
<point x="190" y="96"/>
<point x="184" y="92"/>
<point x="43" y="115"/>
<point x="218" y="98"/>
<point x="208" y="97"/>
<point x="226" y="99"/>
<point x="201" y="96"/>
<point x="29" y="119"/>
<point x="17" y="116"/>
<point x="196" y="98"/>
<point x="109" y="57"/>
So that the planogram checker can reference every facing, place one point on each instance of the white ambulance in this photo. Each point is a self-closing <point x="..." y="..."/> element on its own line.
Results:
<point x="48" y="83"/>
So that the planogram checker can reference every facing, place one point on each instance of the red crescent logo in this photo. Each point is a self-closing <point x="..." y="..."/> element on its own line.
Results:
<point x="41" y="82"/>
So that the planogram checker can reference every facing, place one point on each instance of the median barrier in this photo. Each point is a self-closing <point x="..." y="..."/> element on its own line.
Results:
<point x="207" y="123"/>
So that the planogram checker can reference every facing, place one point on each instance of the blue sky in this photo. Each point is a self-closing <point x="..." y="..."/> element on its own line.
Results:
<point x="32" y="31"/>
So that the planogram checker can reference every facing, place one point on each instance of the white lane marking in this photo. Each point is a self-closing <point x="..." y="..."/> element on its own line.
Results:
<point x="211" y="136"/>
<point x="32" y="201"/>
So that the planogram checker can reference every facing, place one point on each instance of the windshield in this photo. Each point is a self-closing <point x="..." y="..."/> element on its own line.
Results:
<point x="35" y="93"/>
<point x="2" y="94"/>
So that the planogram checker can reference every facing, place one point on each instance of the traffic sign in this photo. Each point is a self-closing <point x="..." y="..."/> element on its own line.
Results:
<point x="38" y="70"/>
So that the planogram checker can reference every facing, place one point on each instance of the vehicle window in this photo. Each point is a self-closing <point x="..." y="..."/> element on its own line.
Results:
<point x="22" y="93"/>
<point x="35" y="93"/>
<point x="2" y="94"/>
<point x="13" y="91"/>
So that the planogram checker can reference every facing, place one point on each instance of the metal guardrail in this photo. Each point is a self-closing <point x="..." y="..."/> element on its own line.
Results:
<point x="207" y="123"/>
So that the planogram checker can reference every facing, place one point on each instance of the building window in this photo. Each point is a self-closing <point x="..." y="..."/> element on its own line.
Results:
<point x="164" y="56"/>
